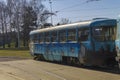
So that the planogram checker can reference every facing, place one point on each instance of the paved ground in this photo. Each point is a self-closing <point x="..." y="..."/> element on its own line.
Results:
<point x="3" y="59"/>
<point x="38" y="70"/>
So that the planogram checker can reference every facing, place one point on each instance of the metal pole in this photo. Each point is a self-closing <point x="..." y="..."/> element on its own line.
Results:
<point x="51" y="10"/>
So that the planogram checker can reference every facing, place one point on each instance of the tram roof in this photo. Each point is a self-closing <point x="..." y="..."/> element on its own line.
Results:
<point x="75" y="25"/>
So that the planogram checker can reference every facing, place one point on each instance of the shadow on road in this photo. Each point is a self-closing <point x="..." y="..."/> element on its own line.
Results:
<point x="103" y="69"/>
<point x="112" y="70"/>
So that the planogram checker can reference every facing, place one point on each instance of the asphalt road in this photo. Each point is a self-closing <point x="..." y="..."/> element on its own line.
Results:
<point x="38" y="70"/>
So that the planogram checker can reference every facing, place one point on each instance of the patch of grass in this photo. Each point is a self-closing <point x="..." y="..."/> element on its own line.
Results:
<point x="15" y="53"/>
<point x="13" y="45"/>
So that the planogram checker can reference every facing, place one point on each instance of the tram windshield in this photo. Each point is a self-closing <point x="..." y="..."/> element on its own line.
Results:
<point x="104" y="33"/>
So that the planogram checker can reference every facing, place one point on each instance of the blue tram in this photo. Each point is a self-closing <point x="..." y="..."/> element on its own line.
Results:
<point x="89" y="42"/>
<point x="118" y="42"/>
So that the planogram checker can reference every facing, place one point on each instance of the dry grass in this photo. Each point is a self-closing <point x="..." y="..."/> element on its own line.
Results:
<point x="15" y="53"/>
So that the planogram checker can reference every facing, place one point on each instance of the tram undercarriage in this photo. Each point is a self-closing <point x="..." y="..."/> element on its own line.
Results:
<point x="91" y="59"/>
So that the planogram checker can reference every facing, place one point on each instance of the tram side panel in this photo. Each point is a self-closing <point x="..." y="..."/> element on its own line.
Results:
<point x="118" y="52"/>
<point x="118" y="42"/>
<point x="56" y="51"/>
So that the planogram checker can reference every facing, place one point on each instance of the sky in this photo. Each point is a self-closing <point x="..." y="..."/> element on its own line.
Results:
<point x="80" y="10"/>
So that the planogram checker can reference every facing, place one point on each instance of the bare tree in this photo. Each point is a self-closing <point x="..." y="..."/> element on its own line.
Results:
<point x="64" y="21"/>
<point x="42" y="13"/>
<point x="3" y="21"/>
<point x="12" y="20"/>
<point x="10" y="11"/>
<point x="15" y="13"/>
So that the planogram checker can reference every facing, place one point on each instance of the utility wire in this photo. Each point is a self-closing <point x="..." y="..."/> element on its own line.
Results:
<point x="92" y="9"/>
<point x="93" y="15"/>
<point x="76" y="5"/>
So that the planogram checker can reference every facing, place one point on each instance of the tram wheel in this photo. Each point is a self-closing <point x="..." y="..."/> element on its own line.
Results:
<point x="35" y="58"/>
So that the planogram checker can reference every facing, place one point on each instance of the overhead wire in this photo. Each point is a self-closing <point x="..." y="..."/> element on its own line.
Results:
<point x="72" y="6"/>
<point x="92" y="15"/>
<point x="79" y="4"/>
<point x="106" y="8"/>
<point x="76" y="5"/>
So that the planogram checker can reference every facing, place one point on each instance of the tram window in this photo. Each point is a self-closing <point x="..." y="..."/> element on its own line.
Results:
<point x="41" y="37"/>
<point x="113" y="33"/>
<point x="31" y="38"/>
<point x="47" y="37"/>
<point x="72" y="35"/>
<point x="104" y="33"/>
<point x="35" y="38"/>
<point x="54" y="36"/>
<point x="83" y="34"/>
<point x="62" y="36"/>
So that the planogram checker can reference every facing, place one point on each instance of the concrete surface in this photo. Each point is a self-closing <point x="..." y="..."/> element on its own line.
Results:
<point x="38" y="70"/>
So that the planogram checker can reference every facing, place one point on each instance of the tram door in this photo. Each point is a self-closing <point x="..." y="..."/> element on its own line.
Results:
<point x="118" y="42"/>
<point x="84" y="42"/>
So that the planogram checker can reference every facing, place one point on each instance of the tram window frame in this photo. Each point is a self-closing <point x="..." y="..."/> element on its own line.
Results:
<point x="31" y="38"/>
<point x="62" y="36"/>
<point x="41" y="37"/>
<point x="106" y="33"/>
<point x="35" y="38"/>
<point x="54" y="36"/>
<point x="72" y="35"/>
<point x="38" y="37"/>
<point x="83" y="34"/>
<point x="47" y="37"/>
